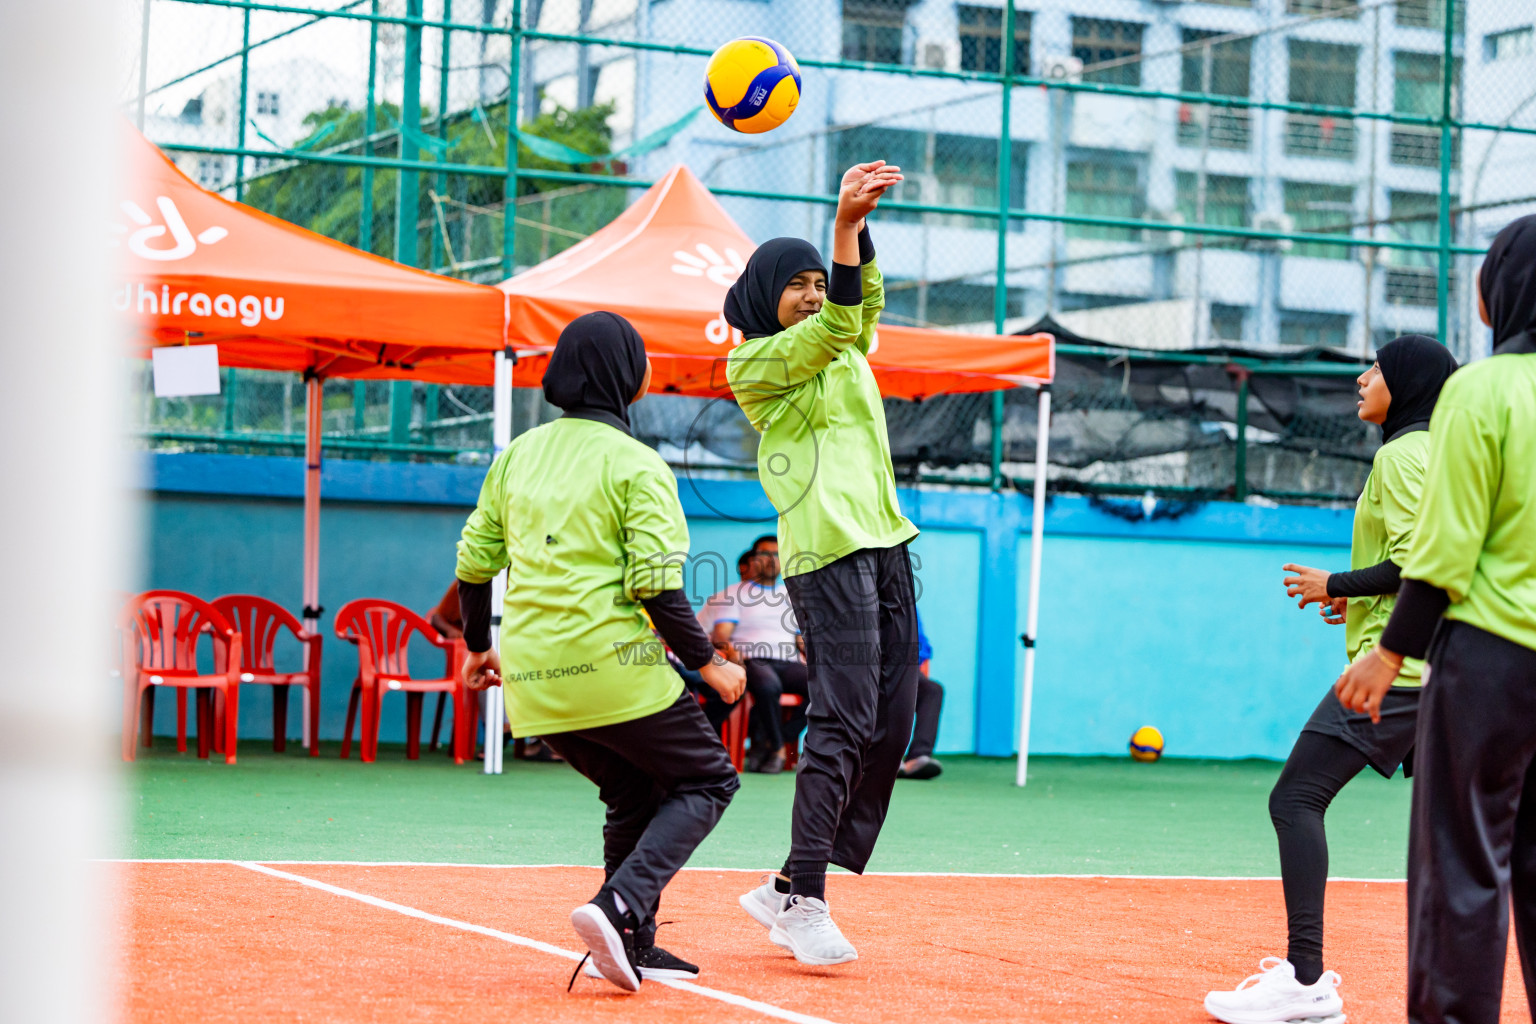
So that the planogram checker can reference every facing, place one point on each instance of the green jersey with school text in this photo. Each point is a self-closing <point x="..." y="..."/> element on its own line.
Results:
<point x="588" y="523"/>
<point x="1384" y="523"/>
<point x="824" y="458"/>
<point x="1476" y="534"/>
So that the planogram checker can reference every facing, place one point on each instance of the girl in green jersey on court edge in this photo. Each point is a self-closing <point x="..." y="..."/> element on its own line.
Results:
<point x="1398" y="393"/>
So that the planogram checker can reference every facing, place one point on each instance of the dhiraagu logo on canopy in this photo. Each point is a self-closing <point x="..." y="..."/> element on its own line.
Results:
<point x="169" y="240"/>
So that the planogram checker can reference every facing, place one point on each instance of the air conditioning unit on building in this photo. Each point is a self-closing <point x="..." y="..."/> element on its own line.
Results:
<point x="938" y="55"/>
<point x="1280" y="223"/>
<point x="1061" y="69"/>
<point x="1173" y="239"/>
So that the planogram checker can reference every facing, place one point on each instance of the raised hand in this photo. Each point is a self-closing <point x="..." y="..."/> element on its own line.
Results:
<point x="862" y="186"/>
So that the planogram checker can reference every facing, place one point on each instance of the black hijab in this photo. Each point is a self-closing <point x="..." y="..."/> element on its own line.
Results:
<point x="1508" y="284"/>
<point x="597" y="366"/>
<point x="1415" y="368"/>
<point x="752" y="304"/>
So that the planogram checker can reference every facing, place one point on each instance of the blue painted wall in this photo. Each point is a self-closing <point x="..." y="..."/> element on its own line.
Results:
<point x="1179" y="622"/>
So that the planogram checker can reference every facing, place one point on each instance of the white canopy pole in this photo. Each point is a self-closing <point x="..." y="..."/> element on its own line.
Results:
<point x="501" y="436"/>
<point x="1036" y="539"/>
<point x="313" y="408"/>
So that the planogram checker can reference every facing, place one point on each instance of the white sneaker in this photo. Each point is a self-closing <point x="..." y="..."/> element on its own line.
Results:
<point x="764" y="902"/>
<point x="805" y="928"/>
<point x="1274" y="996"/>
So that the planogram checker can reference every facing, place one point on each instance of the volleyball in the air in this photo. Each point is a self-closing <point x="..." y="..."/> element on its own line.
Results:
<point x="1146" y="744"/>
<point x="752" y="85"/>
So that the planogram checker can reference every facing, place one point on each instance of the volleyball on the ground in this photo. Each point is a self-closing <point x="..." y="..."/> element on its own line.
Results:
<point x="752" y="84"/>
<point x="1146" y="744"/>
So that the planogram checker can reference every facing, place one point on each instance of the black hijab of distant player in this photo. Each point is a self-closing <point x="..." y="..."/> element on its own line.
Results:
<point x="752" y="304"/>
<point x="597" y="366"/>
<point x="1507" y="281"/>
<point x="1415" y="368"/>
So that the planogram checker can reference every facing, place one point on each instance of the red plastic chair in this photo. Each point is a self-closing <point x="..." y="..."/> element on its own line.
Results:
<point x="160" y="630"/>
<point x="733" y="731"/>
<point x="382" y="632"/>
<point x="259" y="622"/>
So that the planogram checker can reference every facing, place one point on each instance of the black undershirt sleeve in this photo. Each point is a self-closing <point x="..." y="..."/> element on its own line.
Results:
<point x="866" y="246"/>
<point x="673" y="618"/>
<point x="1412" y="626"/>
<point x="475" y="610"/>
<point x="845" y="288"/>
<point x="1381" y="578"/>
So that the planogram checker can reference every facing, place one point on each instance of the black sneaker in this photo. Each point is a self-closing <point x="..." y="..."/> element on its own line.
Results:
<point x="656" y="964"/>
<point x="920" y="767"/>
<point x="610" y="939"/>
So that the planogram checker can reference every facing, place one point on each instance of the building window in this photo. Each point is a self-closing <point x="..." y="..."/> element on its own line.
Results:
<point x="1416" y="91"/>
<point x="1322" y="74"/>
<point x="1321" y="210"/>
<point x="1429" y="14"/>
<point x="1231" y="63"/>
<point x="1412" y="276"/>
<point x="210" y="171"/>
<point x="981" y="40"/>
<point x="1517" y="42"/>
<point x="1104" y="188"/>
<point x="1226" y="205"/>
<point x="1314" y="330"/>
<point x="266" y="103"/>
<point x="943" y="170"/>
<point x="1099" y="41"/>
<point x="1346" y="8"/>
<point x="873" y="30"/>
<point x="1227" y="322"/>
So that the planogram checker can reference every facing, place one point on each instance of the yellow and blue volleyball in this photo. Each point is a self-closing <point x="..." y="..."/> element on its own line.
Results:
<point x="1146" y="744"/>
<point x="752" y="85"/>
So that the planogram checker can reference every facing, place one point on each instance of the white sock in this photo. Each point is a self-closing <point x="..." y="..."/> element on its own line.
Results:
<point x="618" y="901"/>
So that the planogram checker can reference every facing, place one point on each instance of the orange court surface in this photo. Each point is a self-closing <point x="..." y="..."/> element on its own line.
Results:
<point x="343" y="942"/>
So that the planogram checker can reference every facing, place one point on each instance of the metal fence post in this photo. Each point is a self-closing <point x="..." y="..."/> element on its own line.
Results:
<point x="245" y="82"/>
<point x="1443" y="283"/>
<point x="407" y="201"/>
<point x="509" y="189"/>
<point x="365" y="218"/>
<point x="442" y="131"/>
<point x="1240" y="458"/>
<point x="1000" y="289"/>
<point x="229" y="400"/>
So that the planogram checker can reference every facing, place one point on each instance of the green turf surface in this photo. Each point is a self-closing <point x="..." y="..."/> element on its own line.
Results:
<point x="1077" y="815"/>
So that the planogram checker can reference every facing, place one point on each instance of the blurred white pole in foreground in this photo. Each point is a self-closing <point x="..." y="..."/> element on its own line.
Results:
<point x="64" y="520"/>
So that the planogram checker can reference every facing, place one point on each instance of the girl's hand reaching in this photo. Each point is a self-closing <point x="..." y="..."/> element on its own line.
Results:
<point x="861" y="188"/>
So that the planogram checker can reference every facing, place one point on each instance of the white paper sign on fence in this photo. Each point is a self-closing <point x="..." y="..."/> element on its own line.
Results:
<point x="186" y="370"/>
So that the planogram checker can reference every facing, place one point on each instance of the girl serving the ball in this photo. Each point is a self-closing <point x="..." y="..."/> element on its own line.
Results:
<point x="803" y="379"/>
<point x="1398" y="393"/>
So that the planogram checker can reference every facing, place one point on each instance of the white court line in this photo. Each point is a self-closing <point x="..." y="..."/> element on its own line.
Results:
<point x="766" y="1009"/>
<point x="718" y="870"/>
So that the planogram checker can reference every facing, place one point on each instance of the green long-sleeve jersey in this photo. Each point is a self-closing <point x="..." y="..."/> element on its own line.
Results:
<point x="1384" y="520"/>
<point x="824" y="458"/>
<point x="588" y="522"/>
<point x="1476" y="534"/>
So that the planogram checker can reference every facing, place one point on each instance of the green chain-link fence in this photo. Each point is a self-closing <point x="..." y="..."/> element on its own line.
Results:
<point x="1260" y="177"/>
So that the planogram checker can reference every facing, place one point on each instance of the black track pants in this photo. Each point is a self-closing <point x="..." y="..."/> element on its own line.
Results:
<point x="1319" y="766"/>
<point x="1473" y="839"/>
<point x="768" y="679"/>
<point x="925" y="730"/>
<point x="665" y="780"/>
<point x="859" y="619"/>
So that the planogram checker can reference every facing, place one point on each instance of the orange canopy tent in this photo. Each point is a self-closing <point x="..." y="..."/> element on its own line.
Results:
<point x="196" y="267"/>
<point x="665" y="265"/>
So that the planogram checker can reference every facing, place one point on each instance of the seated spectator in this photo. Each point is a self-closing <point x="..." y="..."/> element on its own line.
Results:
<point x="449" y="621"/>
<point x="920" y="762"/>
<point x="752" y="623"/>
